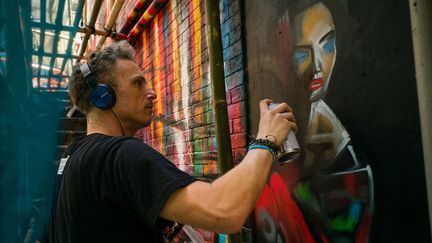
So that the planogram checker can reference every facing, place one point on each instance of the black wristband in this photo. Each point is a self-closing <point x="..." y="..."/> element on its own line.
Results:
<point x="266" y="142"/>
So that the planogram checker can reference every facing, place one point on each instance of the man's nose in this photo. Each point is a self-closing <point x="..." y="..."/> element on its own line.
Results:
<point x="151" y="94"/>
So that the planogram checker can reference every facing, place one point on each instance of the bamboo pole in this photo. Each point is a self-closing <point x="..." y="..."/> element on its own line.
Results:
<point x="111" y="21"/>
<point x="223" y="139"/>
<point x="96" y="8"/>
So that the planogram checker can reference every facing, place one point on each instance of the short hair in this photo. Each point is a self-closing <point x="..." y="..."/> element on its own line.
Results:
<point x="102" y="64"/>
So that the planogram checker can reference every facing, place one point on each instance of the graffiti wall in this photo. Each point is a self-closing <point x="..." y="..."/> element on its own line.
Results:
<point x="346" y="67"/>
<point x="174" y="63"/>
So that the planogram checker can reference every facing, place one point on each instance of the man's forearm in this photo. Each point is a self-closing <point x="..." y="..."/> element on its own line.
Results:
<point x="223" y="205"/>
<point x="242" y="186"/>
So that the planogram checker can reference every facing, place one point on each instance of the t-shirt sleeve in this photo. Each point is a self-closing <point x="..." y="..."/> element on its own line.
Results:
<point x="151" y="179"/>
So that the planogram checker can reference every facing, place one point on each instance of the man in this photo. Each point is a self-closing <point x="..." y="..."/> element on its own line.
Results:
<point x="115" y="188"/>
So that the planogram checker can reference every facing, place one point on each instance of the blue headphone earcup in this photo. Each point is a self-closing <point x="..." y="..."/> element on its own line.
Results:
<point x="103" y="96"/>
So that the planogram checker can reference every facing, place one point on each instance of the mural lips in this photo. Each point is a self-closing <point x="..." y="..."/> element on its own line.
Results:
<point x="316" y="84"/>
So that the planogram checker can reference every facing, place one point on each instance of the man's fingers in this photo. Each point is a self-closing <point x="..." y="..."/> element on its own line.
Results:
<point x="291" y="119"/>
<point x="293" y="126"/>
<point x="264" y="104"/>
<point x="283" y="107"/>
<point x="289" y="116"/>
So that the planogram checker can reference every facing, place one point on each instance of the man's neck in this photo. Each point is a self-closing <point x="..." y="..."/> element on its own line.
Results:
<point x="104" y="122"/>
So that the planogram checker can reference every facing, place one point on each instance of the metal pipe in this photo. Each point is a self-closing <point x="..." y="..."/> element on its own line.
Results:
<point x="25" y="7"/>
<point x="72" y="34"/>
<point x="54" y="55"/>
<point x="96" y="8"/>
<point x="48" y="26"/>
<point x="421" y="30"/>
<point x="133" y="15"/>
<point x="42" y="37"/>
<point x="111" y="21"/>
<point x="15" y="77"/>
<point x="16" y="110"/>
<point x="147" y="16"/>
<point x="58" y="22"/>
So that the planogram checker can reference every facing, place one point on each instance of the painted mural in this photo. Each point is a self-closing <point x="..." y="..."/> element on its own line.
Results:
<point x="333" y="193"/>
<point x="329" y="193"/>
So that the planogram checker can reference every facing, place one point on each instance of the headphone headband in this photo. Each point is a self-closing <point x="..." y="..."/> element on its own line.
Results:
<point x="88" y="75"/>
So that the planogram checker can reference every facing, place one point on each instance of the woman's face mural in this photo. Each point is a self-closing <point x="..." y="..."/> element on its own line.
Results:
<point x="315" y="48"/>
<point x="327" y="194"/>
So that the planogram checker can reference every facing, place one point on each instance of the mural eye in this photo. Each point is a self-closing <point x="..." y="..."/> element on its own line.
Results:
<point x="300" y="56"/>
<point x="329" y="44"/>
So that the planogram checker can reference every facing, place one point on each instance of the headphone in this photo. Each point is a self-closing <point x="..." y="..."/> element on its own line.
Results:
<point x="102" y="96"/>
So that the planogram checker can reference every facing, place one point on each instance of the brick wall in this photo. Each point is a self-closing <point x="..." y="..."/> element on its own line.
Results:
<point x="173" y="52"/>
<point x="231" y="27"/>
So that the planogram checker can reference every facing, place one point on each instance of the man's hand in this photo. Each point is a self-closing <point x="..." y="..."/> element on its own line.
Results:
<point x="275" y="123"/>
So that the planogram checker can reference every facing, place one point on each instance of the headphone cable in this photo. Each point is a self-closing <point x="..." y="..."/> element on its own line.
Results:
<point x="118" y="119"/>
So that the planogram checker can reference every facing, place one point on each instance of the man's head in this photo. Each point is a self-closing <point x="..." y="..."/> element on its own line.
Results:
<point x="115" y="66"/>
<point x="102" y="64"/>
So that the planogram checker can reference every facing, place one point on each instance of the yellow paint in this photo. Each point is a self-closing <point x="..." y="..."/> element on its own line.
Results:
<point x="196" y="42"/>
<point x="157" y="78"/>
<point x="147" y="16"/>
<point x="175" y="54"/>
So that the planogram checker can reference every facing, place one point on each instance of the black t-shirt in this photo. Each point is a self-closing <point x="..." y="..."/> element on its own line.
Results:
<point x="113" y="190"/>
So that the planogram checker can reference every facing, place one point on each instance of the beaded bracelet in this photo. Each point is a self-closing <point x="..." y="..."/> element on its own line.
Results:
<point x="264" y="144"/>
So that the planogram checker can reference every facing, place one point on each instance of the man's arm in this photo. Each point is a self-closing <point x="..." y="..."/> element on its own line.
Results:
<point x="224" y="205"/>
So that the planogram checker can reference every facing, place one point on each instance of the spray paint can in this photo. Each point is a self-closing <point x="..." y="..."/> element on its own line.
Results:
<point x="290" y="149"/>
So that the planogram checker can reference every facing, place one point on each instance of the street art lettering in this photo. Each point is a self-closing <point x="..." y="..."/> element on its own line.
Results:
<point x="329" y="198"/>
